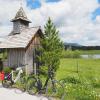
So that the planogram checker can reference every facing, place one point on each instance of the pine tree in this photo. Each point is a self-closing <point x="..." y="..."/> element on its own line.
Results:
<point x="51" y="48"/>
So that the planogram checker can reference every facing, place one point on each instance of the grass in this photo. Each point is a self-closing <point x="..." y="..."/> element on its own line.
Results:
<point x="81" y="77"/>
<point x="78" y="53"/>
<point x="89" y="52"/>
<point x="84" y="85"/>
<point x="85" y="67"/>
<point x="82" y="52"/>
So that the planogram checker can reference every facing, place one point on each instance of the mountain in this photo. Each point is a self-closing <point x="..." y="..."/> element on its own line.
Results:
<point x="72" y="44"/>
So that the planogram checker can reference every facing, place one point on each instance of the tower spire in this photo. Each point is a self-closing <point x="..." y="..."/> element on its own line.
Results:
<point x="20" y="15"/>
<point x="21" y="3"/>
<point x="20" y="21"/>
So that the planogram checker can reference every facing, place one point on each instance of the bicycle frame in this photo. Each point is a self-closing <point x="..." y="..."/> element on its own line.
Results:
<point x="44" y="86"/>
<point x="18" y="75"/>
<point x="10" y="76"/>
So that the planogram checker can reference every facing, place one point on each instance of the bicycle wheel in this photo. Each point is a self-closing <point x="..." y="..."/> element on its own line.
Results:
<point x="54" y="90"/>
<point x="32" y="85"/>
<point x="21" y="84"/>
<point x="7" y="83"/>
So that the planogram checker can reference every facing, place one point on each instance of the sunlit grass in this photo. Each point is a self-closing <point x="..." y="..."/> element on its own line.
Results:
<point x="86" y="67"/>
<point x="88" y="76"/>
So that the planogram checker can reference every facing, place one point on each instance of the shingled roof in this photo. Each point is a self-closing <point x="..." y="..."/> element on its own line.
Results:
<point x="24" y="36"/>
<point x="21" y="15"/>
<point x="19" y="40"/>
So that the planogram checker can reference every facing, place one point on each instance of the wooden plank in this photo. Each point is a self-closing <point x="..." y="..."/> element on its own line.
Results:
<point x="16" y="57"/>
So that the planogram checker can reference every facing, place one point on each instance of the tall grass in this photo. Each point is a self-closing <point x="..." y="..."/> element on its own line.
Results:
<point x="89" y="52"/>
<point x="71" y="54"/>
<point x="84" y="85"/>
<point x="78" y="53"/>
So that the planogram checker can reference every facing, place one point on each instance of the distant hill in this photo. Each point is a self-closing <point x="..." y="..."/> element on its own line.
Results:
<point x="76" y="46"/>
<point x="72" y="44"/>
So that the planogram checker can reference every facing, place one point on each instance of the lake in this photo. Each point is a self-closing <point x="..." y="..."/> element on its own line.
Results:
<point x="95" y="56"/>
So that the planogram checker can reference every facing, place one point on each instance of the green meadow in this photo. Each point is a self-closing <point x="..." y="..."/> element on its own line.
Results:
<point x="78" y="53"/>
<point x="81" y="78"/>
<point x="86" y="67"/>
<point x="89" y="52"/>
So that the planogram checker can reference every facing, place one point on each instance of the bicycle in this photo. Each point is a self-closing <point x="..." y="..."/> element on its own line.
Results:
<point x="51" y="87"/>
<point x="10" y="80"/>
<point x="33" y="84"/>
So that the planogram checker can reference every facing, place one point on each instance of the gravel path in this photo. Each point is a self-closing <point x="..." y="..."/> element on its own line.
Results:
<point x="13" y="94"/>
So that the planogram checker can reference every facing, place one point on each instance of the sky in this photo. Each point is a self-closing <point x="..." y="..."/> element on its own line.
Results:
<point x="78" y="21"/>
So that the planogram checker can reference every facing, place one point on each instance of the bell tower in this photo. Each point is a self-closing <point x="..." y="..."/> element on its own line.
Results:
<point x="20" y="22"/>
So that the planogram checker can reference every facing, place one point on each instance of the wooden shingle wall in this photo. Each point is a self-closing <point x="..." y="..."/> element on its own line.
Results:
<point x="16" y="57"/>
<point x="29" y="55"/>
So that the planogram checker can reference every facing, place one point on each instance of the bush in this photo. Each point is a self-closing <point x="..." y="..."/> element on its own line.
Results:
<point x="70" y="54"/>
<point x="78" y="89"/>
<point x="81" y="92"/>
<point x="95" y="81"/>
<point x="7" y="69"/>
<point x="76" y="54"/>
<point x="71" y="79"/>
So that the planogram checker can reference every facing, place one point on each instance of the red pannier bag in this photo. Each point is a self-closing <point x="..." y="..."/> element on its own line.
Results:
<point x="2" y="76"/>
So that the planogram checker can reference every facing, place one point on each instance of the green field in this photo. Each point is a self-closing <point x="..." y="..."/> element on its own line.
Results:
<point x="89" y="51"/>
<point x="81" y="77"/>
<point x="78" y="53"/>
<point x="86" y="67"/>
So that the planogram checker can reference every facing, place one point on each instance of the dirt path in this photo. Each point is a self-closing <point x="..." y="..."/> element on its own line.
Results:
<point x="12" y="94"/>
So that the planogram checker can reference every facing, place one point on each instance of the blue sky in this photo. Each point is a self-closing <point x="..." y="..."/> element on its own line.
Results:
<point x="53" y="0"/>
<point x="96" y="12"/>
<point x="77" y="20"/>
<point x="33" y="5"/>
<point x="37" y="3"/>
<point x="98" y="1"/>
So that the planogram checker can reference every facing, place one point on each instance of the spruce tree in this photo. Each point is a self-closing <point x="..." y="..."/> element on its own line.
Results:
<point x="51" y="47"/>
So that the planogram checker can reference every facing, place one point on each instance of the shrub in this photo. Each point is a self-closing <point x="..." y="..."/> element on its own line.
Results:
<point x="7" y="69"/>
<point x="70" y="54"/>
<point x="78" y="89"/>
<point x="95" y="81"/>
<point x="80" y="92"/>
<point x="76" y="54"/>
<point x="71" y="79"/>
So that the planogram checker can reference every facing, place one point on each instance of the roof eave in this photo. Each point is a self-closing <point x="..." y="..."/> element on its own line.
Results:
<point x="13" y="20"/>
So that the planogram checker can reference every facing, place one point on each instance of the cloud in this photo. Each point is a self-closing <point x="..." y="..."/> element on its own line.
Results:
<point x="73" y="18"/>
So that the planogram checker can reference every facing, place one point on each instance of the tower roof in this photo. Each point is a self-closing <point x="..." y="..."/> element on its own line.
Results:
<point x="21" y="15"/>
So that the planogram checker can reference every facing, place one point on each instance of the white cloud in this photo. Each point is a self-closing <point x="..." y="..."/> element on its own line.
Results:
<point x="72" y="18"/>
